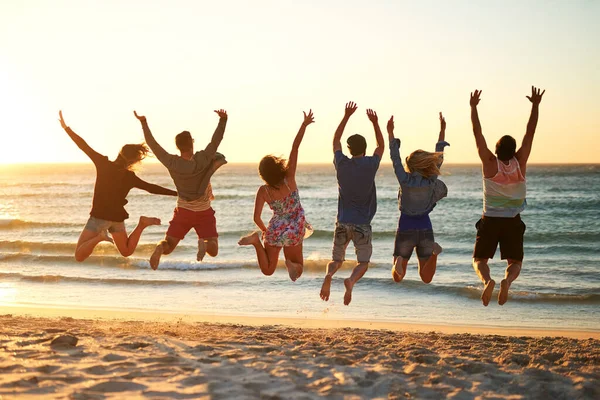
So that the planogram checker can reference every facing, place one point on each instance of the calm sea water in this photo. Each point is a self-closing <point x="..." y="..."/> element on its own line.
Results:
<point x="44" y="208"/>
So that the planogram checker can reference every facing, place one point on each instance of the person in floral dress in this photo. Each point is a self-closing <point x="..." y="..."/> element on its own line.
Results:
<point x="288" y="227"/>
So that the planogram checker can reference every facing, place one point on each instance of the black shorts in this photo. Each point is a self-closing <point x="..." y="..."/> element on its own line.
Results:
<point x="506" y="231"/>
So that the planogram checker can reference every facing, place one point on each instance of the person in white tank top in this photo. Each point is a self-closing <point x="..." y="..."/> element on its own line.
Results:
<point x="504" y="192"/>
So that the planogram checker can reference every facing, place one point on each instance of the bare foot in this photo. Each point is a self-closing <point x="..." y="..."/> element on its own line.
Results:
<point x="155" y="257"/>
<point x="503" y="294"/>
<point x="147" y="221"/>
<point x="395" y="275"/>
<point x="252" y="238"/>
<point x="103" y="236"/>
<point x="437" y="249"/>
<point x="326" y="288"/>
<point x="348" y="295"/>
<point x="201" y="250"/>
<point x="294" y="270"/>
<point x="487" y="292"/>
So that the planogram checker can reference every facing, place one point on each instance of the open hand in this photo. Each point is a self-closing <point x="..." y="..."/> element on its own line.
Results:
<point x="372" y="116"/>
<point x="221" y="113"/>
<point x="140" y="117"/>
<point x="350" y="108"/>
<point x="442" y="123"/>
<point x="475" y="98"/>
<point x="390" y="125"/>
<point x="536" y="96"/>
<point x="308" y="119"/>
<point x="62" y="121"/>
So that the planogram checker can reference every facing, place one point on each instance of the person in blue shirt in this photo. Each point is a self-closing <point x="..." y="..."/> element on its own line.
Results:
<point x="357" y="201"/>
<point x="420" y="190"/>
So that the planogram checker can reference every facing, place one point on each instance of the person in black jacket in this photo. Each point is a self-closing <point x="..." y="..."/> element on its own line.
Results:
<point x="114" y="180"/>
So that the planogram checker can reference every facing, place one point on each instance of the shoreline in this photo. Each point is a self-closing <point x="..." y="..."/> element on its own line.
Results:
<point x="293" y="322"/>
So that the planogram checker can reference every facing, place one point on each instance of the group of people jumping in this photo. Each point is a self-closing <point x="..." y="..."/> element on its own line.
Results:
<point x="504" y="192"/>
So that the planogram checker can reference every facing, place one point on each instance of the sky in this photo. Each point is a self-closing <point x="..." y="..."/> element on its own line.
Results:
<point x="267" y="61"/>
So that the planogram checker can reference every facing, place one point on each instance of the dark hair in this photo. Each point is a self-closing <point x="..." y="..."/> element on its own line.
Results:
<point x="357" y="145"/>
<point x="184" y="141"/>
<point x="132" y="154"/>
<point x="505" y="148"/>
<point x="272" y="170"/>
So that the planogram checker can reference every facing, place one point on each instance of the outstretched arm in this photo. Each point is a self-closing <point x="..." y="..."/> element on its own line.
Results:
<point x="154" y="189"/>
<point x="523" y="153"/>
<point x="485" y="154"/>
<point x="441" y="143"/>
<point x="401" y="174"/>
<point x="293" y="159"/>
<point x="259" y="203"/>
<point x="161" y="154"/>
<point x="82" y="144"/>
<point x="378" y="135"/>
<point x="217" y="137"/>
<point x="337" y="137"/>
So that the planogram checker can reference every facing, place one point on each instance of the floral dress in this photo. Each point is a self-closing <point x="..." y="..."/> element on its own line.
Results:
<point x="288" y="226"/>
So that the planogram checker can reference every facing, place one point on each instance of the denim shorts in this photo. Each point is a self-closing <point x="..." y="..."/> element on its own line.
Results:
<point x="99" y="225"/>
<point x="360" y="235"/>
<point x="407" y="240"/>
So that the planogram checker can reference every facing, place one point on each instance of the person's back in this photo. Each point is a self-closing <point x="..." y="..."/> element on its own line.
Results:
<point x="357" y="201"/>
<point x="504" y="193"/>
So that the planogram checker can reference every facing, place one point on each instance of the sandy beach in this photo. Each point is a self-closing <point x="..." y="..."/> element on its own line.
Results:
<point x="46" y="356"/>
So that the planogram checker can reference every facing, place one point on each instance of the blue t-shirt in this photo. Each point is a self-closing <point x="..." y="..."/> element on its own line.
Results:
<point x="357" y="200"/>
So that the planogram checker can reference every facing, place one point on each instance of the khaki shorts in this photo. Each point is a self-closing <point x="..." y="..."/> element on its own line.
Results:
<point x="99" y="225"/>
<point x="360" y="235"/>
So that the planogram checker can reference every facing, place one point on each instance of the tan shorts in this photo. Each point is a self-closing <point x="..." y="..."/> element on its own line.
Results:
<point x="99" y="225"/>
<point x="360" y="235"/>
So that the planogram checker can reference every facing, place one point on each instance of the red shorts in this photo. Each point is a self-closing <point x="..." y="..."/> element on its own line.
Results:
<point x="203" y="222"/>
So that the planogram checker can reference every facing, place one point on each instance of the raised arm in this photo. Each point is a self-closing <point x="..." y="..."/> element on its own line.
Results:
<point x="337" y="137"/>
<point x="394" y="144"/>
<point x="293" y="159"/>
<point x="378" y="135"/>
<point x="91" y="153"/>
<point x="161" y="154"/>
<point x="486" y="156"/>
<point x="441" y="143"/>
<point x="523" y="153"/>
<point x="259" y="203"/>
<point x="154" y="189"/>
<point x="217" y="137"/>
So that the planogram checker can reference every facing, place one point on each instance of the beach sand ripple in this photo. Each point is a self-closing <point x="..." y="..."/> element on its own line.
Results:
<point x="98" y="359"/>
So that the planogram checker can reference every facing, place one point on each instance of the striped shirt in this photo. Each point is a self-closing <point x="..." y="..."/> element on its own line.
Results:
<point x="201" y="204"/>
<point x="504" y="194"/>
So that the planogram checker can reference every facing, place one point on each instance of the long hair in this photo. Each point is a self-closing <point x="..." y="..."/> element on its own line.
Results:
<point x="272" y="170"/>
<point x="132" y="154"/>
<point x="424" y="163"/>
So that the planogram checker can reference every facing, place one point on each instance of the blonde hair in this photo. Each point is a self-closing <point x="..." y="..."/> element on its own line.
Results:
<point x="132" y="154"/>
<point x="425" y="163"/>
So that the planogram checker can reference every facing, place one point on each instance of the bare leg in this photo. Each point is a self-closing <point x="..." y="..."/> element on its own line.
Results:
<point x="349" y="283"/>
<point x="127" y="244"/>
<point x="399" y="269"/>
<point x="483" y="271"/>
<point x="332" y="268"/>
<point x="212" y="246"/>
<point x="294" y="261"/>
<point x="427" y="266"/>
<point x="201" y="250"/>
<point x="512" y="272"/>
<point x="87" y="242"/>
<point x="165" y="246"/>
<point x="267" y="255"/>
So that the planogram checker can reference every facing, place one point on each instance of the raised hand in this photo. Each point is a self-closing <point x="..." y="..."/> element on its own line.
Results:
<point x="475" y="98"/>
<point x="442" y="123"/>
<point x="308" y="119"/>
<point x="390" y="125"/>
<point x="372" y="116"/>
<point x="536" y="96"/>
<point x="62" y="120"/>
<point x="350" y="108"/>
<point x="140" y="117"/>
<point x="221" y="113"/>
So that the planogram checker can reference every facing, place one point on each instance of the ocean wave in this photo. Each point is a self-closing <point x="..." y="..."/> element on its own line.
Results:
<point x="107" y="281"/>
<point x="474" y="292"/>
<point x="8" y="223"/>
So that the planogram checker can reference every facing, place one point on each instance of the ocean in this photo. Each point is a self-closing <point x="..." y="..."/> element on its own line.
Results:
<point x="43" y="209"/>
